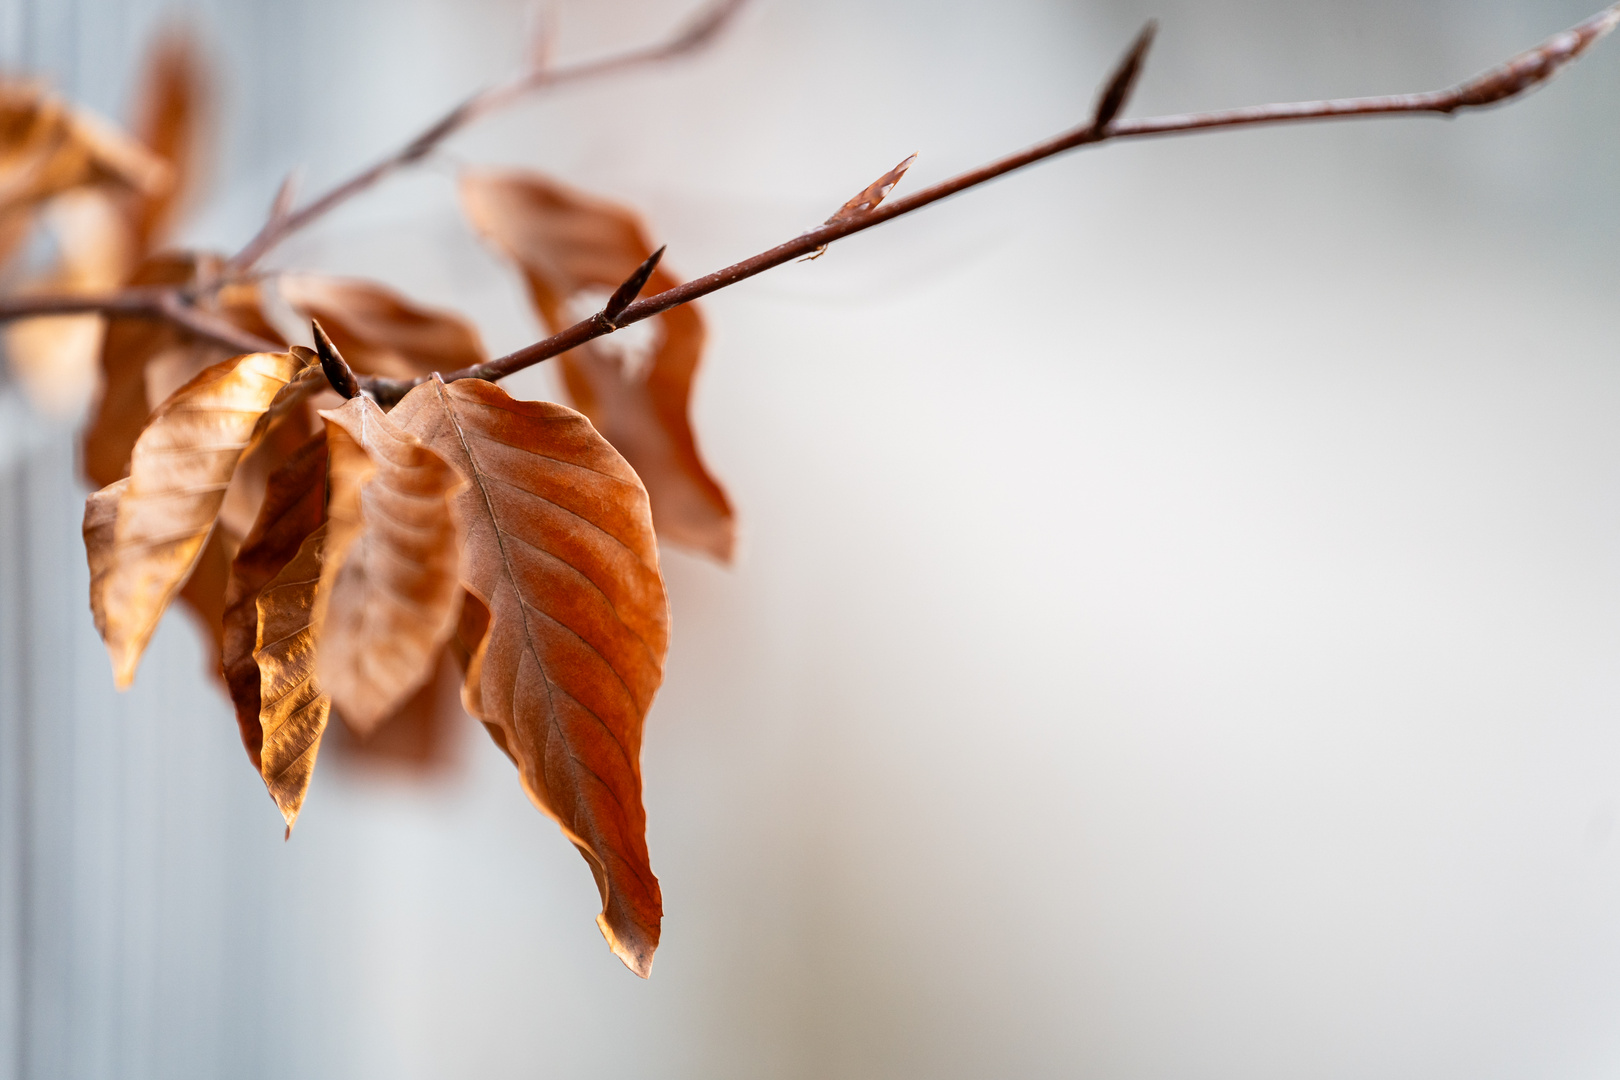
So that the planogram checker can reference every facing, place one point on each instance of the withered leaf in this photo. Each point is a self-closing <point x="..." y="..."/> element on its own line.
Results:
<point x="573" y="250"/>
<point x="181" y="466"/>
<point x="379" y="331"/>
<point x="390" y="584"/>
<point x="559" y="548"/>
<point x="294" y="506"/>
<point x="293" y="711"/>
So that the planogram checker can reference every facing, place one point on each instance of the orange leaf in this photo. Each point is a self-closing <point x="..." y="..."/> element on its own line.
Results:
<point x="574" y="249"/>
<point x="181" y="466"/>
<point x="292" y="711"/>
<point x="560" y="549"/>
<point x="380" y="332"/>
<point x="390" y="586"/>
<point x="294" y="506"/>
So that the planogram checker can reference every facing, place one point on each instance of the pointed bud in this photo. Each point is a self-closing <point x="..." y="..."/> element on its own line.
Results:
<point x="626" y="294"/>
<point x="1118" y="93"/>
<point x="338" y="373"/>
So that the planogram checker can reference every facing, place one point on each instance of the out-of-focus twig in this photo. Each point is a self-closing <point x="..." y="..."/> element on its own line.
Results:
<point x="700" y="31"/>
<point x="1524" y="72"/>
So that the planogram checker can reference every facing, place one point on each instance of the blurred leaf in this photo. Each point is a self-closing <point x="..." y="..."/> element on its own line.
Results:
<point x="390" y="584"/>
<point x="47" y="148"/>
<point x="143" y="360"/>
<point x="379" y="331"/>
<point x="421" y="738"/>
<point x="181" y="466"/>
<point x="559" y="548"/>
<point x="293" y="711"/>
<point x="294" y="506"/>
<point x="171" y="119"/>
<point x="574" y="249"/>
<point x="55" y="357"/>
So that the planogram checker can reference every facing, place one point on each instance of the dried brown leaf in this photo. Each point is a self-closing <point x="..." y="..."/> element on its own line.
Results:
<point x="294" y="506"/>
<point x="293" y="711"/>
<point x="390" y="585"/>
<point x="181" y="466"/>
<point x="573" y="250"/>
<point x="379" y="331"/>
<point x="559" y="548"/>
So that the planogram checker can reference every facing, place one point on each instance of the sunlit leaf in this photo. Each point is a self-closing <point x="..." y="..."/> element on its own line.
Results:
<point x="574" y="249"/>
<point x="181" y="466"/>
<point x="391" y="586"/>
<point x="559" y="548"/>
<point x="294" y="506"/>
<point x="293" y="711"/>
<point x="379" y="331"/>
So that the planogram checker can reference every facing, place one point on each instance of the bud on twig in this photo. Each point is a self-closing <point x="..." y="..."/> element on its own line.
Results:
<point x="338" y="373"/>
<point x="626" y="294"/>
<point x="1118" y="93"/>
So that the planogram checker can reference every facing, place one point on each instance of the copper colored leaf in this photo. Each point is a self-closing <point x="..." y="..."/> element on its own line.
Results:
<point x="143" y="360"/>
<point x="574" y="249"/>
<point x="170" y="119"/>
<point x="390" y="585"/>
<point x="380" y="332"/>
<point x="294" y="505"/>
<point x="292" y="710"/>
<point x="180" y="469"/>
<point x="559" y="548"/>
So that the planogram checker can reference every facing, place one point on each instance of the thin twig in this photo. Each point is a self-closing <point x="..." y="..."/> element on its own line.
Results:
<point x="1524" y="72"/>
<point x="701" y="30"/>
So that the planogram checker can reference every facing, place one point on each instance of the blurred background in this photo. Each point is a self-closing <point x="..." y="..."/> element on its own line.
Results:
<point x="1177" y="627"/>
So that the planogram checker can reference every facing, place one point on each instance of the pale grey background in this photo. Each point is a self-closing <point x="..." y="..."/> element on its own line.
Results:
<point x="1176" y="632"/>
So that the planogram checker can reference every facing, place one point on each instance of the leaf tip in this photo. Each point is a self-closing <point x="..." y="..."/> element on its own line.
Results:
<point x="638" y="958"/>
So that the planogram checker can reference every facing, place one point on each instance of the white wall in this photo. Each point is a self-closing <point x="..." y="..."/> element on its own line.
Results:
<point x="1175" y="634"/>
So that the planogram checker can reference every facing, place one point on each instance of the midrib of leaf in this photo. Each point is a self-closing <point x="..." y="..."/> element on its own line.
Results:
<point x="582" y="808"/>
<point x="506" y="565"/>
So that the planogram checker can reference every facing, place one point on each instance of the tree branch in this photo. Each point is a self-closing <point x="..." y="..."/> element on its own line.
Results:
<point x="1522" y="73"/>
<point x="700" y="31"/>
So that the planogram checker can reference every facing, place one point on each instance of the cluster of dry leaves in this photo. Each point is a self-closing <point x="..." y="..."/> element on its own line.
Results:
<point x="350" y="561"/>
